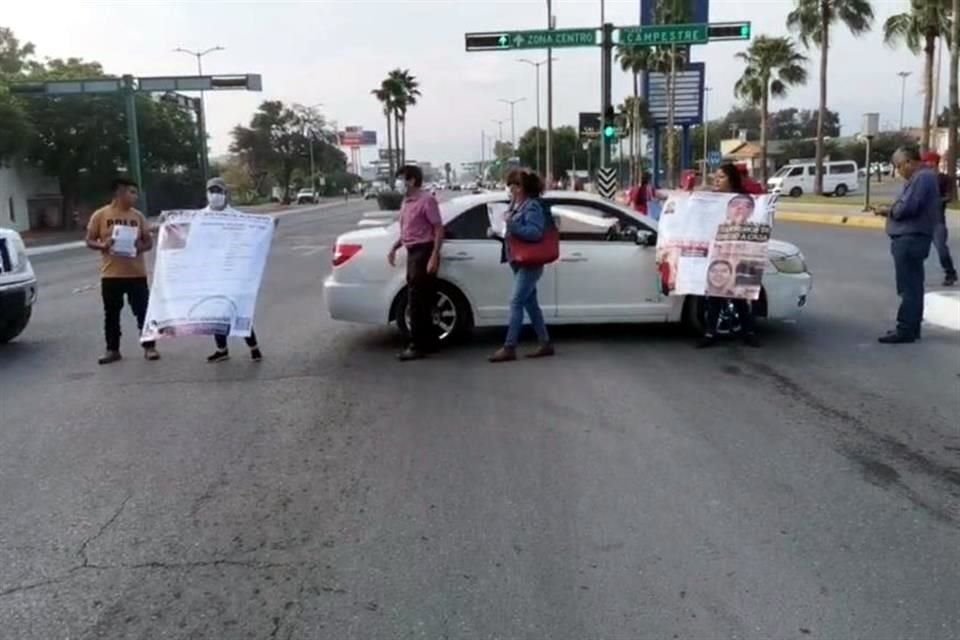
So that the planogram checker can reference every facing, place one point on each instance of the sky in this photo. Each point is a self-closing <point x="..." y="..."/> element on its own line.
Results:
<point x="335" y="52"/>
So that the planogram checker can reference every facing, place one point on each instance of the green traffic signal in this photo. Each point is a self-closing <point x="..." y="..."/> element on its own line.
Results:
<point x="745" y="31"/>
<point x="609" y="131"/>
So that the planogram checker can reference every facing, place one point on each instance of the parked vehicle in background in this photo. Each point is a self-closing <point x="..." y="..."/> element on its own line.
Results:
<point x="18" y="286"/>
<point x="839" y="178"/>
<point x="307" y="196"/>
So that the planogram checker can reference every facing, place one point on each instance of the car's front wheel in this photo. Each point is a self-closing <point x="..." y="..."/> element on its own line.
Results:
<point x="452" y="319"/>
<point x="15" y="326"/>
<point x="796" y="192"/>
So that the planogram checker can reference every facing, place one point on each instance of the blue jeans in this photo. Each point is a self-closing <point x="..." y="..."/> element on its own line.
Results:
<point x="909" y="253"/>
<point x="940" y="242"/>
<point x="525" y="299"/>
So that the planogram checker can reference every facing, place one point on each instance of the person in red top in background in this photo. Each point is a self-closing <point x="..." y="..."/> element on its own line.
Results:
<point x="932" y="160"/>
<point x="750" y="185"/>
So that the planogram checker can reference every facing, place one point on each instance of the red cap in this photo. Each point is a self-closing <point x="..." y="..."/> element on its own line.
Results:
<point x="930" y="157"/>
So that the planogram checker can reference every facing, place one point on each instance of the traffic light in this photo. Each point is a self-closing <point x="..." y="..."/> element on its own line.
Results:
<point x="609" y="125"/>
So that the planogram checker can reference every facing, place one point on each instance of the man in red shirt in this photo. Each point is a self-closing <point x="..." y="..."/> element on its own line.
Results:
<point x="932" y="160"/>
<point x="421" y="234"/>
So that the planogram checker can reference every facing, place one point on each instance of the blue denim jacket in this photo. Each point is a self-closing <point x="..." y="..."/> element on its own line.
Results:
<point x="917" y="209"/>
<point x="528" y="222"/>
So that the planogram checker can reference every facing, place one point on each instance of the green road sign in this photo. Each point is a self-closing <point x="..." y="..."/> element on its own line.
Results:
<point x="730" y="30"/>
<point x="662" y="34"/>
<point x="542" y="39"/>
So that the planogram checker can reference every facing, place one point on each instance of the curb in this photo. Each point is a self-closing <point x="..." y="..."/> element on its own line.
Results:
<point x="942" y="308"/>
<point x="67" y="246"/>
<point x="857" y="221"/>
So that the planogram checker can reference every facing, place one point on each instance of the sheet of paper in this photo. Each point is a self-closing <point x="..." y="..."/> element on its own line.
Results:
<point x="125" y="241"/>
<point x="207" y="273"/>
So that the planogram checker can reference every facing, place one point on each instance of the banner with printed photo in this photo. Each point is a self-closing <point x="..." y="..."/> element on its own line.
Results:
<point x="714" y="243"/>
<point x="207" y="273"/>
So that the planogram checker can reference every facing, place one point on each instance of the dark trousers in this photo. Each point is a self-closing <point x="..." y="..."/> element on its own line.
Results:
<point x="221" y="340"/>
<point x="909" y="253"/>
<point x="421" y="297"/>
<point x="715" y="306"/>
<point x="113" y="291"/>
<point x="943" y="251"/>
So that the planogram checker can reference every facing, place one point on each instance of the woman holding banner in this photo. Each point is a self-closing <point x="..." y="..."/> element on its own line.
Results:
<point x="728" y="179"/>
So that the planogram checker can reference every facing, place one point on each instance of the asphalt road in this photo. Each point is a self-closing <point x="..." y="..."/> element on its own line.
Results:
<point x="631" y="488"/>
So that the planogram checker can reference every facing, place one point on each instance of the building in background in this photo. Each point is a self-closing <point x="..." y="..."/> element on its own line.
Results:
<point x="30" y="200"/>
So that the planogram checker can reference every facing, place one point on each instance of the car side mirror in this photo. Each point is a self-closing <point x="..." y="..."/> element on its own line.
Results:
<point x="646" y="238"/>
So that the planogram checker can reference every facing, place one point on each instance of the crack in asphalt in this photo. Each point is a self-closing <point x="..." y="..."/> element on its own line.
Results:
<point x="82" y="552"/>
<point x="878" y="443"/>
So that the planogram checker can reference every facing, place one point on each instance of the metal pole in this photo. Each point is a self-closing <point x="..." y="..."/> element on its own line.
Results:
<point x="513" y="128"/>
<point x="483" y="151"/>
<point x="313" y="171"/>
<point x="706" y="131"/>
<point x="549" y="141"/>
<point x="133" y="140"/>
<point x="603" y="83"/>
<point x="538" y="117"/>
<point x="903" y="88"/>
<point x="866" y="192"/>
<point x="202" y="115"/>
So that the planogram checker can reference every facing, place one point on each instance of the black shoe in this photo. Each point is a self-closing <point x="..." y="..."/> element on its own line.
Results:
<point x="409" y="354"/>
<point x="751" y="340"/>
<point x="895" y="337"/>
<point x="706" y="341"/>
<point x="255" y="354"/>
<point x="110" y="357"/>
<point x="950" y="279"/>
<point x="220" y="355"/>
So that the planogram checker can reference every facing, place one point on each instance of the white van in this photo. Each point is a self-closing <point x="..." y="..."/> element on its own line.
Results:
<point x="839" y="178"/>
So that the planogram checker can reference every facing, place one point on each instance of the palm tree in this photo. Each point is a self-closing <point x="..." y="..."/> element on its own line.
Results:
<point x="408" y="98"/>
<point x="634" y="60"/>
<point x="772" y="64"/>
<point x="384" y="96"/>
<point x="812" y="20"/>
<point x="919" y="28"/>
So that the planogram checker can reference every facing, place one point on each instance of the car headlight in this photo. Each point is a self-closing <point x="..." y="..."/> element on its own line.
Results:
<point x="18" y="254"/>
<point x="789" y="264"/>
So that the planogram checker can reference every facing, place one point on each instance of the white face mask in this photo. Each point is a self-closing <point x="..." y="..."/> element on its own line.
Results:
<point x="216" y="200"/>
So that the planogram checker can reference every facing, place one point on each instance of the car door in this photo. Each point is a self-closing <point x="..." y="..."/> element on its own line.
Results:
<point x="603" y="274"/>
<point x="470" y="259"/>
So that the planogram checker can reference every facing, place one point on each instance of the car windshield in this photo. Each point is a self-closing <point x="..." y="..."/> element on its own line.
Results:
<point x="783" y="171"/>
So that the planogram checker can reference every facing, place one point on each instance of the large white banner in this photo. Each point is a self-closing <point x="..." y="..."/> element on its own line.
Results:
<point x="207" y="273"/>
<point x="714" y="243"/>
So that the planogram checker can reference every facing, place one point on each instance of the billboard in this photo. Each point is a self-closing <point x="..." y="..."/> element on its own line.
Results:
<point x="688" y="106"/>
<point x="356" y="137"/>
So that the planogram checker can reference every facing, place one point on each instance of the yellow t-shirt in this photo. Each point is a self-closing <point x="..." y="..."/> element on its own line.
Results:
<point x="100" y="228"/>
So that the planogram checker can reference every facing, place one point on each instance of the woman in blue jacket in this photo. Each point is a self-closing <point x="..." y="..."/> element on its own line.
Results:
<point x="527" y="220"/>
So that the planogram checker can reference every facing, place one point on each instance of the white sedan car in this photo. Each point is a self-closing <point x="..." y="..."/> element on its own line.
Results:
<point x="606" y="272"/>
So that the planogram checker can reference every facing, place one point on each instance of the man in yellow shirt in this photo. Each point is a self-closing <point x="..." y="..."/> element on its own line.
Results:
<point x="121" y="234"/>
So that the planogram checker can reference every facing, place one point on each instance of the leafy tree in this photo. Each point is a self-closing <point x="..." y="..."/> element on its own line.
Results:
<point x="812" y="20"/>
<point x="277" y="143"/>
<point x="503" y="150"/>
<point x="567" y="150"/>
<point x="919" y="28"/>
<point x="772" y="65"/>
<point x="15" y="59"/>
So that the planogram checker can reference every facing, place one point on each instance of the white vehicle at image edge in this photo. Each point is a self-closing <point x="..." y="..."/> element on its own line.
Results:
<point x="18" y="286"/>
<point x="794" y="180"/>
<point x="606" y="272"/>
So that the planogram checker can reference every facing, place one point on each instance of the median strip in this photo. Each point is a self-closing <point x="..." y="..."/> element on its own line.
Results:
<point x="855" y="220"/>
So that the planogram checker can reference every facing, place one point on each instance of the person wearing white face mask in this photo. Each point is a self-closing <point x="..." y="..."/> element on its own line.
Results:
<point x="218" y="200"/>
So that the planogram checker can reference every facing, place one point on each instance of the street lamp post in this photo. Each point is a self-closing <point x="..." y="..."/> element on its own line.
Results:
<point x="201" y="115"/>
<point x="313" y="171"/>
<point x="499" y="124"/>
<point x="513" y="121"/>
<point x="551" y="24"/>
<point x="903" y="88"/>
<point x="536" y="65"/>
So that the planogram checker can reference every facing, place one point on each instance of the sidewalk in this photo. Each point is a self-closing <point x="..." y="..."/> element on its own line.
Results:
<point x="49" y="237"/>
